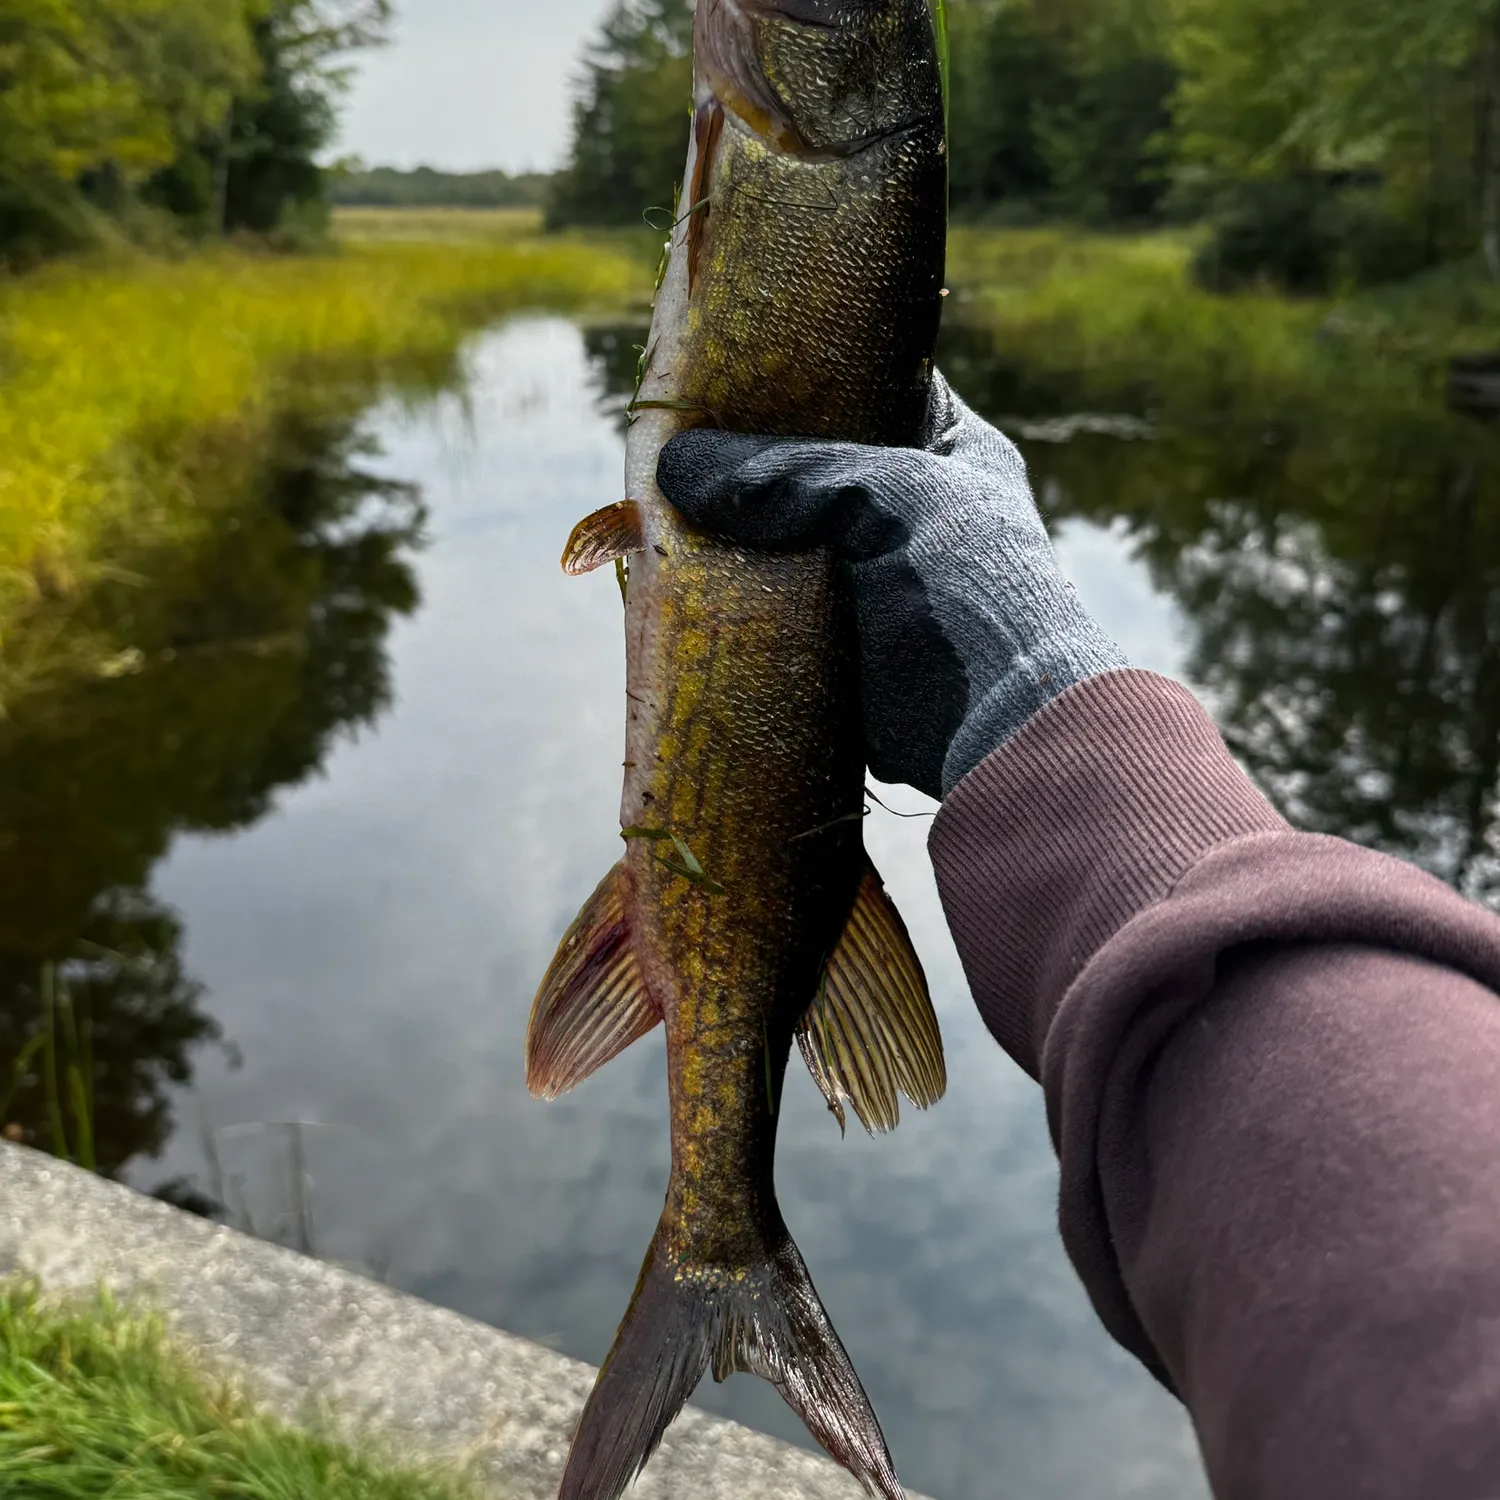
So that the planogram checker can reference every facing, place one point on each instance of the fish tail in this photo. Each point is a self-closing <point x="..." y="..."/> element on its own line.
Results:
<point x="764" y="1319"/>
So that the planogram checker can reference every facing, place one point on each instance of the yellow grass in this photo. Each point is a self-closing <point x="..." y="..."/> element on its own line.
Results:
<point x="108" y="373"/>
<point x="435" y="224"/>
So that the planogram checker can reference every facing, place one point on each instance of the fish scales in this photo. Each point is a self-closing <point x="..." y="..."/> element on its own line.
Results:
<point x="801" y="296"/>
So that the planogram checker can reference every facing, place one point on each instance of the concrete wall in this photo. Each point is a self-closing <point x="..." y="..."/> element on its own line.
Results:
<point x="311" y="1338"/>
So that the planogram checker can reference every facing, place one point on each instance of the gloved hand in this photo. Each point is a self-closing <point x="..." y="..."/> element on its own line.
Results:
<point x="966" y="625"/>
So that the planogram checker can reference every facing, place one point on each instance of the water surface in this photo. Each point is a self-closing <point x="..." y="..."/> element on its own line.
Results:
<point x="367" y="767"/>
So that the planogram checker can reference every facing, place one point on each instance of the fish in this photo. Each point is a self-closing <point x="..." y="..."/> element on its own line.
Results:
<point x="800" y="295"/>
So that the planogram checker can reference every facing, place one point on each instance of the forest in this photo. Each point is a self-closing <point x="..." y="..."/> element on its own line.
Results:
<point x="156" y="121"/>
<point x="1326" y="143"/>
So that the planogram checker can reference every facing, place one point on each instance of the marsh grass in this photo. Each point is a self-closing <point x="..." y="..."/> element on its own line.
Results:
<point x="95" y="1402"/>
<point x="1121" y="314"/>
<point x="436" y="225"/>
<point x="128" y="391"/>
<point x="60" y="1055"/>
<point x="111" y="376"/>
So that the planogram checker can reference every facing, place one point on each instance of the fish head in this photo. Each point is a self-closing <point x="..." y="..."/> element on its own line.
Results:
<point x="818" y="78"/>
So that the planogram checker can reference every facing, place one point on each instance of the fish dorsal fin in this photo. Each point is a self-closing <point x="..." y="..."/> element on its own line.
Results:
<point x="613" y="532"/>
<point x="872" y="1031"/>
<point x="593" y="1002"/>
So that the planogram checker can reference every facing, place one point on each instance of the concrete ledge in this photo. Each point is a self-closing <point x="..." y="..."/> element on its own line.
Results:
<point x="309" y="1337"/>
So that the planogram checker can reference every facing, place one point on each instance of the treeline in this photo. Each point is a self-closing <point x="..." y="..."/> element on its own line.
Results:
<point x="426" y="187"/>
<point x="166" y="118"/>
<point x="1328" y="142"/>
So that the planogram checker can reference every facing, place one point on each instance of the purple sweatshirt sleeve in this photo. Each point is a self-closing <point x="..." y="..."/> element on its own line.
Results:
<point x="1272" y="1071"/>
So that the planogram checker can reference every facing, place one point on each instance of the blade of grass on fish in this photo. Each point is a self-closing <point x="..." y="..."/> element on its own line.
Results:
<point x="690" y="868"/>
<point x="667" y="405"/>
<point x="896" y="812"/>
<point x="622" y="577"/>
<point x="940" y="31"/>
<point x="686" y="864"/>
<point x="854" y="817"/>
<point x="688" y="857"/>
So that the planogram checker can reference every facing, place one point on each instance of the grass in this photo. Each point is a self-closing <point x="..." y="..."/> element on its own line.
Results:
<point x="1123" y="312"/>
<point x="110" y="373"/>
<point x="98" y="1403"/>
<point x="436" y="224"/>
<point x="61" y="1051"/>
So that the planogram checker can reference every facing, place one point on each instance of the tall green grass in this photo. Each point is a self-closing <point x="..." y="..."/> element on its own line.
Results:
<point x="1122" y="312"/>
<point x="95" y="1403"/>
<point x="61" y="1052"/>
<point x="109" y="375"/>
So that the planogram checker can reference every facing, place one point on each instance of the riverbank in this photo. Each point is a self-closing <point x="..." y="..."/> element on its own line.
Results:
<point x="1121" y="314"/>
<point x="129" y="387"/>
<point x="319" y="1348"/>
<point x="137" y="394"/>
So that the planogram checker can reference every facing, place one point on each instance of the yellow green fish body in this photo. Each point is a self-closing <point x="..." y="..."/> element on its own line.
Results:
<point x="801" y="297"/>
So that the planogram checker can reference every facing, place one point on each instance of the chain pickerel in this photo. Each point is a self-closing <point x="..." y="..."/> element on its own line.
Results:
<point x="800" y="296"/>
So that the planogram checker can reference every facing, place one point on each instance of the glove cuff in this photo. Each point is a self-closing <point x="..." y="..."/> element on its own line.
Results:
<point x="1031" y="680"/>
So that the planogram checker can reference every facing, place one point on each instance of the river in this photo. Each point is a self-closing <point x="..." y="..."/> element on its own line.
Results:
<point x="302" y="870"/>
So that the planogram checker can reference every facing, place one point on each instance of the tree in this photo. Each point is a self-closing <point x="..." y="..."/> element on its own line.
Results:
<point x="256" y="166"/>
<point x="95" y="93"/>
<point x="1060" y="109"/>
<point x="212" y="110"/>
<point x="1401" y="94"/>
<point x="630" y="118"/>
<point x="278" y="129"/>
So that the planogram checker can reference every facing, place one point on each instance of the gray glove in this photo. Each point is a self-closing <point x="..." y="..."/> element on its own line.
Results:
<point x="966" y="625"/>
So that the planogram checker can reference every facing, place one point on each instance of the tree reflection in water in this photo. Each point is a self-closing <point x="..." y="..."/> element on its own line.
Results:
<point x="239" y="659"/>
<point x="1338" y="570"/>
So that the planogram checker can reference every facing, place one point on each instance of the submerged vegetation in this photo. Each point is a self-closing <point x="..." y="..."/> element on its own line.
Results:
<point x="96" y="1402"/>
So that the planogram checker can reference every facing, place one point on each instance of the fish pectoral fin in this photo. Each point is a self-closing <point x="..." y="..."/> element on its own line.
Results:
<point x="609" y="534"/>
<point x="593" y="1002"/>
<point x="872" y="1031"/>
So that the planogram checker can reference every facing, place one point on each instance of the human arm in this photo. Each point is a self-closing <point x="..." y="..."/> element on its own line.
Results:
<point x="1272" y="1071"/>
<point x="1270" y="1059"/>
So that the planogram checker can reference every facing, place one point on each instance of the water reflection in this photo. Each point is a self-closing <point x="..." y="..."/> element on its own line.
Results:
<point x="235" y="663"/>
<point x="371" y="935"/>
<point x="373" y="948"/>
<point x="1338" y="570"/>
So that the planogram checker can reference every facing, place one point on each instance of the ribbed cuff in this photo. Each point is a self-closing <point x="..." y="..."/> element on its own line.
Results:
<point x="1088" y="815"/>
<point x="1032" y="680"/>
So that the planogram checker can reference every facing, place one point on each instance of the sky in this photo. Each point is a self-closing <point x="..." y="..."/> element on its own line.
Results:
<point x="468" y="84"/>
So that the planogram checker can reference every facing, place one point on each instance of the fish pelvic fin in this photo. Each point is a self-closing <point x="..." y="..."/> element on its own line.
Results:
<point x="764" y="1319"/>
<point x="593" y="1001"/>
<point x="608" y="535"/>
<point x="871" y="1032"/>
